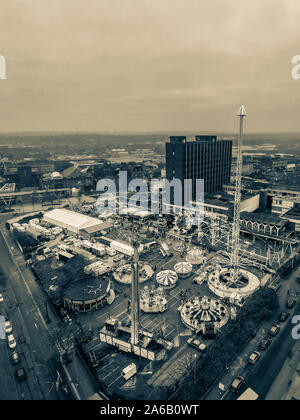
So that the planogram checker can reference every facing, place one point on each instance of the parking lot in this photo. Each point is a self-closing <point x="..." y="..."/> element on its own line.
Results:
<point x="167" y="324"/>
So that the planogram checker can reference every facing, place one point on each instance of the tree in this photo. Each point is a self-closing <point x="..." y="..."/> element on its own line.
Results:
<point x="227" y="345"/>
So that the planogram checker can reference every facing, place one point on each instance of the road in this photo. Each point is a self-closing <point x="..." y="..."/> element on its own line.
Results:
<point x="261" y="377"/>
<point x="30" y="330"/>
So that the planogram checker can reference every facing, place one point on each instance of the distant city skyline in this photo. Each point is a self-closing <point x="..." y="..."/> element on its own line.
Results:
<point x="139" y="66"/>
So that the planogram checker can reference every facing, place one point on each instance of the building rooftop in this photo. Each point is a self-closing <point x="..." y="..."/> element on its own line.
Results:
<point x="66" y="218"/>
<point x="197" y="139"/>
<point x="263" y="218"/>
<point x="293" y="213"/>
<point x="284" y="187"/>
<point x="224" y="198"/>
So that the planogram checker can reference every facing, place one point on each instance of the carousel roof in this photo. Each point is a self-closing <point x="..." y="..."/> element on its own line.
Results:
<point x="183" y="268"/>
<point x="166" y="277"/>
<point x="87" y="289"/>
<point x="195" y="256"/>
<point x="195" y="253"/>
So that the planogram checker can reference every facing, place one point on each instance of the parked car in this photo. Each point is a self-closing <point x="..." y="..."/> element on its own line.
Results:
<point x="298" y="279"/>
<point x="197" y="344"/>
<point x="274" y="330"/>
<point x="254" y="357"/>
<point x="15" y="358"/>
<point x="284" y="316"/>
<point x="11" y="341"/>
<point x="265" y="343"/>
<point x="21" y="374"/>
<point x="8" y="327"/>
<point x="291" y="303"/>
<point x="237" y="384"/>
<point x="1" y="298"/>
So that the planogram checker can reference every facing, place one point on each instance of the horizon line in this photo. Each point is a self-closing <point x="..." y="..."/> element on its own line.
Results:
<point x="175" y="132"/>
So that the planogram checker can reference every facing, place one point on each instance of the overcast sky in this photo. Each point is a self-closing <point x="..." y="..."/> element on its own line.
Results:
<point x="149" y="65"/>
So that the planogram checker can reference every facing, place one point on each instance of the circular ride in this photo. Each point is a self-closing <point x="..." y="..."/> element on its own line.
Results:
<point x="88" y="294"/>
<point x="224" y="282"/>
<point x="153" y="300"/>
<point x="205" y="315"/>
<point x="183" y="269"/>
<point x="180" y="247"/>
<point x="124" y="273"/>
<point x="195" y="257"/>
<point x="167" y="279"/>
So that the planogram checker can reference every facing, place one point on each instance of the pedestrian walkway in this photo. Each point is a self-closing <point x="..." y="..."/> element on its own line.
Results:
<point x="79" y="378"/>
<point x="287" y="382"/>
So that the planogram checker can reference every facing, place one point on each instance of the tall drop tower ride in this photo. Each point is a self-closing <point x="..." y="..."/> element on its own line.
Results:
<point x="135" y="299"/>
<point x="235" y="245"/>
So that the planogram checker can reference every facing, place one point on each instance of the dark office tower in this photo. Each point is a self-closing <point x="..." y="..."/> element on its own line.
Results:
<point x="25" y="176"/>
<point x="205" y="158"/>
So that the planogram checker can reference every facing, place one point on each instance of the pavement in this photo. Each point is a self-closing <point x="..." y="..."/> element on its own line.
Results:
<point x="289" y="375"/>
<point x="79" y="378"/>
<point x="9" y="389"/>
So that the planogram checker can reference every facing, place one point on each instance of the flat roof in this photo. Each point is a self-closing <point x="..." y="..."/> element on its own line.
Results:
<point x="283" y="187"/>
<point x="127" y="249"/>
<point x="293" y="213"/>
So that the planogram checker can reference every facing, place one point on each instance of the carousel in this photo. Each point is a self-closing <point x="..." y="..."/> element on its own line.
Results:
<point x="89" y="294"/>
<point x="153" y="300"/>
<point x="183" y="269"/>
<point x="203" y="314"/>
<point x="167" y="279"/>
<point x="180" y="247"/>
<point x="223" y="283"/>
<point x="124" y="273"/>
<point x="195" y="257"/>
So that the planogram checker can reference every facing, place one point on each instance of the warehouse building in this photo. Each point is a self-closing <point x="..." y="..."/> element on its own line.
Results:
<point x="73" y="222"/>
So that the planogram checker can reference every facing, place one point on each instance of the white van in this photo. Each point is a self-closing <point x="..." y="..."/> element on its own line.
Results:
<point x="129" y="371"/>
<point x="111" y="252"/>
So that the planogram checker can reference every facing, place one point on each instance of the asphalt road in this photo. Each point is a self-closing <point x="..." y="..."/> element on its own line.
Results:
<point x="33" y="338"/>
<point x="261" y="377"/>
<point x="271" y="365"/>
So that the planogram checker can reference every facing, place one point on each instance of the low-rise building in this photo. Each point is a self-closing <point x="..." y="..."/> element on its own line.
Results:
<point x="293" y="216"/>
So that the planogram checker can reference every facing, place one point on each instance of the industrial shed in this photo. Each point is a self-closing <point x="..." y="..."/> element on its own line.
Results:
<point x="73" y="222"/>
